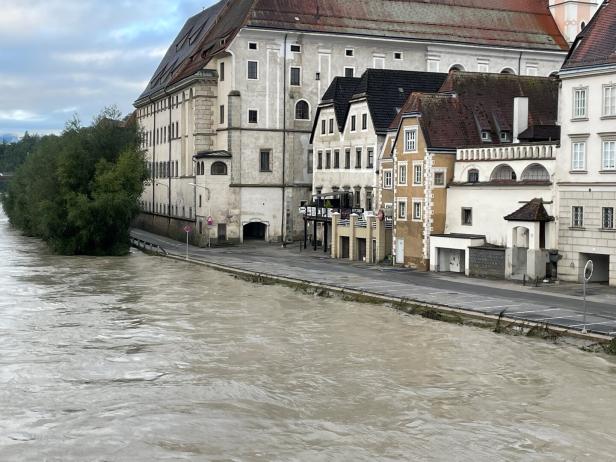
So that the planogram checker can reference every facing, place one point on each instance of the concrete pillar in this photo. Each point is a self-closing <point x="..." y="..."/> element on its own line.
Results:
<point x="380" y="241"/>
<point x="369" y="236"/>
<point x="352" y="238"/>
<point x="335" y="238"/>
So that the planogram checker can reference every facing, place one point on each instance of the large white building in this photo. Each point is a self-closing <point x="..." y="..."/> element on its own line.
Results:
<point x="227" y="115"/>
<point x="587" y="169"/>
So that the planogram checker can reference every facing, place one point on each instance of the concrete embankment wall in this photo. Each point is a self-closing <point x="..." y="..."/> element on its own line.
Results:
<point x="169" y="227"/>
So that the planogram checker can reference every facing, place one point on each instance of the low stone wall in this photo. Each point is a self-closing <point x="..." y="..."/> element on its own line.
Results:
<point x="170" y="227"/>
<point x="487" y="262"/>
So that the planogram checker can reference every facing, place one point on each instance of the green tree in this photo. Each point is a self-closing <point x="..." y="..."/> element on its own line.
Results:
<point x="80" y="191"/>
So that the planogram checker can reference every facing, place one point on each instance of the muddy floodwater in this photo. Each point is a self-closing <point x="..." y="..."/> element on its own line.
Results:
<point x="143" y="359"/>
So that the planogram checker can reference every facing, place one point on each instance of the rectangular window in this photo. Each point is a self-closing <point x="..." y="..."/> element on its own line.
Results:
<point x="328" y="159"/>
<point x="417" y="174"/>
<point x="410" y="140"/>
<point x="319" y="160"/>
<point x="577" y="217"/>
<point x="378" y="62"/>
<point x="253" y="70"/>
<point x="398" y="55"/>
<point x="579" y="103"/>
<point x="439" y="178"/>
<point x="364" y="121"/>
<point x="221" y="73"/>
<point x="337" y="158"/>
<point x="607" y="218"/>
<point x="531" y="70"/>
<point x="353" y="123"/>
<point x="387" y="179"/>
<point x="296" y="76"/>
<point x="253" y="116"/>
<point x="222" y="114"/>
<point x="417" y="209"/>
<point x="331" y="125"/>
<point x="252" y="45"/>
<point x="310" y="160"/>
<point x="370" y="157"/>
<point x="402" y="174"/>
<point x="357" y="198"/>
<point x="401" y="209"/>
<point x="578" y="155"/>
<point x="467" y="216"/>
<point x="609" y="100"/>
<point x="265" y="160"/>
<point x="358" y="152"/>
<point x="347" y="159"/>
<point x="349" y="52"/>
<point x="368" y="200"/>
<point x="296" y="48"/>
<point x="349" y="71"/>
<point x="609" y="155"/>
<point x="323" y="122"/>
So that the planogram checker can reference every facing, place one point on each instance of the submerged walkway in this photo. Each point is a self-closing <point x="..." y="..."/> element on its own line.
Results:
<point x="559" y="306"/>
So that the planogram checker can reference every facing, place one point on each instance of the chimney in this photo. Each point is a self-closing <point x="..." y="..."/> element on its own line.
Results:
<point x="520" y="116"/>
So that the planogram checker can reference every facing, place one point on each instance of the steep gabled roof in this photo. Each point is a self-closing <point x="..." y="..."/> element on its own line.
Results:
<point x="531" y="211"/>
<point x="511" y="23"/>
<point x="468" y="103"/>
<point x="387" y="90"/>
<point x="523" y="24"/>
<point x="596" y="44"/>
<point x="339" y="93"/>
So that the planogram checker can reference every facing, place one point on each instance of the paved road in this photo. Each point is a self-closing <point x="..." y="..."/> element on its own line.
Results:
<point x="485" y="297"/>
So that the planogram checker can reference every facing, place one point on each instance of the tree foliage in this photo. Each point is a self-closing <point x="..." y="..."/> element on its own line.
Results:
<point x="80" y="191"/>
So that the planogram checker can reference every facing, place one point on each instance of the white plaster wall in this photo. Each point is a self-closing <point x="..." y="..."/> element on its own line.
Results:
<point x="486" y="168"/>
<point x="490" y="205"/>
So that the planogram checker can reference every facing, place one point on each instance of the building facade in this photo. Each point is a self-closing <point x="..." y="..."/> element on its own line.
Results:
<point x="486" y="111"/>
<point x="244" y="77"/>
<point x="587" y="172"/>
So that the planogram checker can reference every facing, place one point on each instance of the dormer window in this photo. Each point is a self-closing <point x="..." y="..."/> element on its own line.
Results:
<point x="485" y="135"/>
<point x="504" y="137"/>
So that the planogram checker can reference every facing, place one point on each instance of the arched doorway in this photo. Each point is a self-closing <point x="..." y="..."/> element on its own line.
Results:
<point x="255" y="231"/>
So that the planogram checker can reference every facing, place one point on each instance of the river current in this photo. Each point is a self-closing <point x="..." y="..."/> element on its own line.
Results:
<point x="141" y="358"/>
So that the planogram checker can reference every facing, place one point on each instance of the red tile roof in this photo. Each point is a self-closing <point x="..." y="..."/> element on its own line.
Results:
<point x="523" y="24"/>
<point x="596" y="44"/>
<point x="531" y="211"/>
<point x="470" y="102"/>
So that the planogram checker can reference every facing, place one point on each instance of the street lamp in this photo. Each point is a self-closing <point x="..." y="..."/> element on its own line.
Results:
<point x="209" y="205"/>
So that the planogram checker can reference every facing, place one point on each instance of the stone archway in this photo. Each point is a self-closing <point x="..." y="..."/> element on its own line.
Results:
<point x="255" y="231"/>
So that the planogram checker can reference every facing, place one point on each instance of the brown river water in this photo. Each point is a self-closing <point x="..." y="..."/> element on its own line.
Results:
<point x="141" y="358"/>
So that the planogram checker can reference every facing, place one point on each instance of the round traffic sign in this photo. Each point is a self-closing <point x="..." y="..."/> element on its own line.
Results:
<point x="588" y="270"/>
<point x="187" y="229"/>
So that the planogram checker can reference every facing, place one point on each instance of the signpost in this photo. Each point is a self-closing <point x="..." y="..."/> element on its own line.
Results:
<point x="187" y="230"/>
<point x="588" y="269"/>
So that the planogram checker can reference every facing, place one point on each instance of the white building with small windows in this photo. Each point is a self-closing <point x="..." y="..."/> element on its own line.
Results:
<point x="245" y="77"/>
<point x="587" y="170"/>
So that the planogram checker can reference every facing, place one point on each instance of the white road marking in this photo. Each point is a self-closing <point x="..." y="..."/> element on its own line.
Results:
<point x="559" y="317"/>
<point x="594" y="324"/>
<point x="535" y="311"/>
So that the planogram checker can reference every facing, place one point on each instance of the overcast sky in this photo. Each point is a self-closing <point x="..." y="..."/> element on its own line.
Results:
<point x="60" y="57"/>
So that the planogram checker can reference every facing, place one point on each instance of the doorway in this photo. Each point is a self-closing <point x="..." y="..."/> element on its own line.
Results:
<point x="255" y="231"/>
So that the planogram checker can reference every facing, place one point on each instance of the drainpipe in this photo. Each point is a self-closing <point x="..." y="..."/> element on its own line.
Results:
<point x="520" y="63"/>
<point x="284" y="143"/>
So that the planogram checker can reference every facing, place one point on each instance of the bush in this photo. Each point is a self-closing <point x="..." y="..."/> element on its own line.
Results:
<point x="80" y="191"/>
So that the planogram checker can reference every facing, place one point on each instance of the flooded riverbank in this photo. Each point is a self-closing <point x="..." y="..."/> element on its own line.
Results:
<point x="143" y="358"/>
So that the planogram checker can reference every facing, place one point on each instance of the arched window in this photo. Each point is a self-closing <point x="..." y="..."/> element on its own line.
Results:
<point x="508" y="70"/>
<point x="302" y="110"/>
<point x="535" y="172"/>
<point x="473" y="175"/>
<point x="219" y="168"/>
<point x="456" y="67"/>
<point x="202" y="168"/>
<point x="503" y="173"/>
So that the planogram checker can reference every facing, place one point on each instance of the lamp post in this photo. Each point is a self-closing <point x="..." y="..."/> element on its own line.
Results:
<point x="209" y="212"/>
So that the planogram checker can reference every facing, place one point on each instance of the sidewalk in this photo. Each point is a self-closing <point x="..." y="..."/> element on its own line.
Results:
<point x="557" y="306"/>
